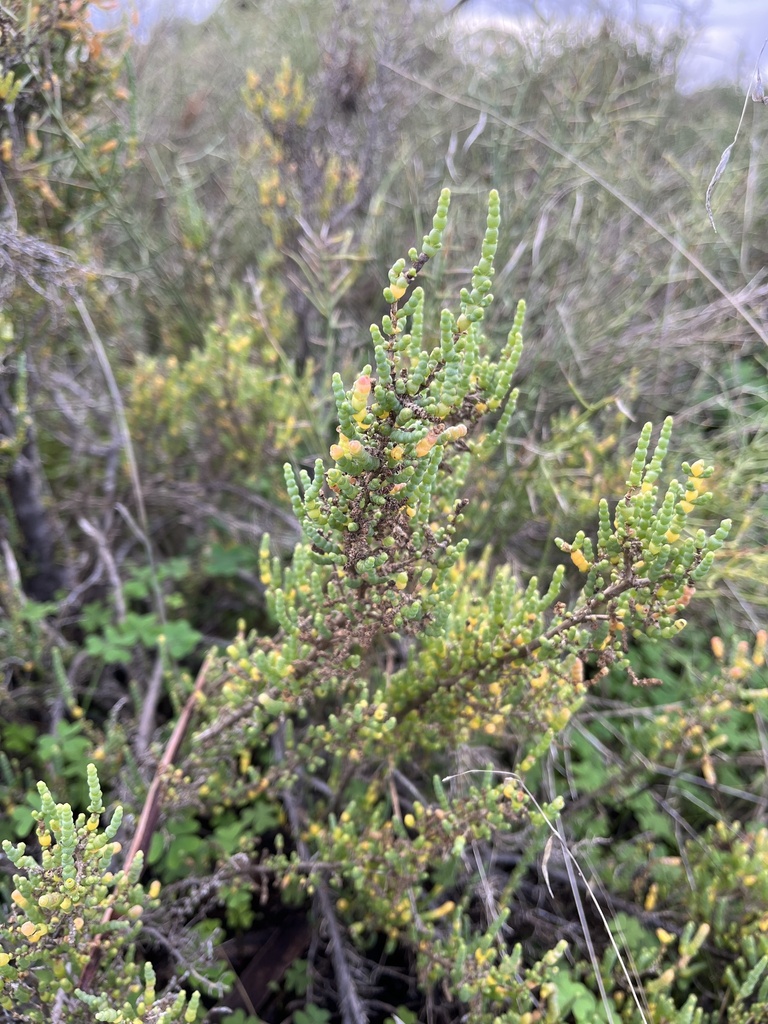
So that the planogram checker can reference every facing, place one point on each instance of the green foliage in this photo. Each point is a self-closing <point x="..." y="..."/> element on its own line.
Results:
<point x="60" y="143"/>
<point x="674" y="768"/>
<point x="70" y="908"/>
<point x="118" y="642"/>
<point x="490" y="659"/>
<point x="219" y="415"/>
<point x="311" y="1014"/>
<point x="23" y="636"/>
<point x="402" y="643"/>
<point x="186" y="848"/>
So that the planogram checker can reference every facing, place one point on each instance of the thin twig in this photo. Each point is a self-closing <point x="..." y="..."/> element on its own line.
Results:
<point x="109" y="564"/>
<point x="149" y="707"/>
<point x="127" y="443"/>
<point x="351" y="1005"/>
<point x="12" y="571"/>
<point x="151" y="810"/>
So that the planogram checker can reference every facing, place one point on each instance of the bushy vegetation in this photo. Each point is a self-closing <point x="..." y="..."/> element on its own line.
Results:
<point x="417" y="679"/>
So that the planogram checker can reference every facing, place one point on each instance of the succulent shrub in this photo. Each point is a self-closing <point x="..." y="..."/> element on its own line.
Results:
<point x="68" y="908"/>
<point x="398" y="659"/>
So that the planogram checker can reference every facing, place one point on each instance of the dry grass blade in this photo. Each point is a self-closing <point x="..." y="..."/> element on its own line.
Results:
<point x="719" y="170"/>
<point x="571" y="860"/>
<point x="133" y="468"/>
<point x="756" y="94"/>
<point x="611" y="189"/>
